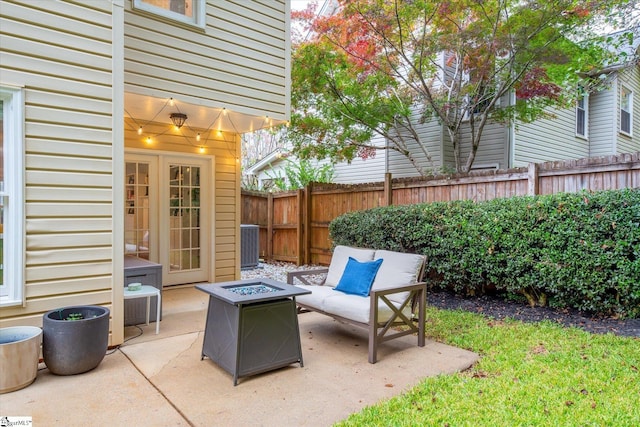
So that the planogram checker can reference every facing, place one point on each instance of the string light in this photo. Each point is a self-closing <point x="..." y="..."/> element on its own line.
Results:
<point x="193" y="137"/>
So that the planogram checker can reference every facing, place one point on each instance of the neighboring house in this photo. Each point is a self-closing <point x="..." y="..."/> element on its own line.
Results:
<point x="357" y="172"/>
<point x="602" y="123"/>
<point x="92" y="167"/>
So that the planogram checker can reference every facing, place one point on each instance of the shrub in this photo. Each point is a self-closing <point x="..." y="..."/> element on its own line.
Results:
<point x="578" y="250"/>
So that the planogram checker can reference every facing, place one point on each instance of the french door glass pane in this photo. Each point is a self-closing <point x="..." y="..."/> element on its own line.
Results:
<point x="136" y="213"/>
<point x="184" y="213"/>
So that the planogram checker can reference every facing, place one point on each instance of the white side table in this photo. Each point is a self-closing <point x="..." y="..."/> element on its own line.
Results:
<point x="148" y="292"/>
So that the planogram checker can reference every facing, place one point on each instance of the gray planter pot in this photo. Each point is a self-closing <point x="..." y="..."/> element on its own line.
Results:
<point x="72" y="347"/>
<point x="19" y="355"/>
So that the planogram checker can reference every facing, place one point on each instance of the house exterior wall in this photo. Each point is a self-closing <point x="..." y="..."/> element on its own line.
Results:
<point x="67" y="83"/>
<point x="363" y="170"/>
<point x="226" y="181"/>
<point x="602" y="122"/>
<point x="239" y="61"/>
<point x="493" y="149"/>
<point x="549" y="139"/>
<point x="430" y="134"/>
<point x="625" y="143"/>
<point x="74" y="88"/>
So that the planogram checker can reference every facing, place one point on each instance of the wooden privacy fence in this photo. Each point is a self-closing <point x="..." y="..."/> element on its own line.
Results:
<point x="294" y="225"/>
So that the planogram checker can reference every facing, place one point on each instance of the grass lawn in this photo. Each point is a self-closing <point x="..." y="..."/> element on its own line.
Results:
<point x="529" y="374"/>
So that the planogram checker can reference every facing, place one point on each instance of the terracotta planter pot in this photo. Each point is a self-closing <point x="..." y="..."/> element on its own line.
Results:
<point x="19" y="355"/>
<point x="72" y="347"/>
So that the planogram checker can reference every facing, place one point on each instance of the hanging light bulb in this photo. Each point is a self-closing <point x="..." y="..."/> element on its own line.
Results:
<point x="202" y="149"/>
<point x="171" y="102"/>
<point x="224" y="110"/>
<point x="198" y="137"/>
<point x="148" y="140"/>
<point x="140" y="130"/>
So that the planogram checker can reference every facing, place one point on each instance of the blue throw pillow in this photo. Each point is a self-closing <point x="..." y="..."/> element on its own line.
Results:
<point x="358" y="277"/>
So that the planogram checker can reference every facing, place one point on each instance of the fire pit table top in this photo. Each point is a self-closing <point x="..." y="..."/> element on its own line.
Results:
<point x="250" y="291"/>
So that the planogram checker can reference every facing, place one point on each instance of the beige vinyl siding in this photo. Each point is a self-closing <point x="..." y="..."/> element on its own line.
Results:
<point x="549" y="139"/>
<point x="239" y="61"/>
<point x="225" y="150"/>
<point x="60" y="53"/>
<point x="630" y="78"/>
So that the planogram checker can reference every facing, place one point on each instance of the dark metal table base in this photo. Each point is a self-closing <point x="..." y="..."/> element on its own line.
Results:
<point x="246" y="338"/>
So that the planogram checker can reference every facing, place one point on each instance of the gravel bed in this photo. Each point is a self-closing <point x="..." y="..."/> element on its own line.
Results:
<point x="493" y="307"/>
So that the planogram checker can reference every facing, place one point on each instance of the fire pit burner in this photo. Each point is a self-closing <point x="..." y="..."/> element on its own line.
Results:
<point x="252" y="289"/>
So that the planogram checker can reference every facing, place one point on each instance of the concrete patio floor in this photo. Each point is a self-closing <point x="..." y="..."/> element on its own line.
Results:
<point x="159" y="380"/>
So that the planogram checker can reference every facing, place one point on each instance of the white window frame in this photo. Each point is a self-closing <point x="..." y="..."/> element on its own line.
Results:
<point x="585" y="109"/>
<point x="623" y="89"/>
<point x="197" y="20"/>
<point x="12" y="193"/>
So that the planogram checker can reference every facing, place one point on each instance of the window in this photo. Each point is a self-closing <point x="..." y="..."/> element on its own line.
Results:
<point x="11" y="196"/>
<point x="582" y="117"/>
<point x="187" y="11"/>
<point x="626" y="110"/>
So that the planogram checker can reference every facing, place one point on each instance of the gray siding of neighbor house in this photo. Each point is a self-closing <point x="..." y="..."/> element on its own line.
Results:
<point x="625" y="143"/>
<point x="430" y="134"/>
<point x="493" y="149"/>
<point x="67" y="82"/>
<point x="602" y="122"/>
<point x="549" y="139"/>
<point x="361" y="171"/>
<point x="239" y="62"/>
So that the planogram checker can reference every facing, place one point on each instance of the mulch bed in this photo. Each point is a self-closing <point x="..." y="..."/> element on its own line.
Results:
<point x="499" y="308"/>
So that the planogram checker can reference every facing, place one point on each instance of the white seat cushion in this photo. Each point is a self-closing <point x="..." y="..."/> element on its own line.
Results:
<point x="397" y="269"/>
<point x="317" y="295"/>
<point x="339" y="261"/>
<point x="355" y="307"/>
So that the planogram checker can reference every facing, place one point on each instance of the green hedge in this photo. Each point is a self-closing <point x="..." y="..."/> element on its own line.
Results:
<point x="578" y="250"/>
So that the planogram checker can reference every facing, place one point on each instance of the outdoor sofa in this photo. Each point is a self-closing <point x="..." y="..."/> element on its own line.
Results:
<point x="395" y="294"/>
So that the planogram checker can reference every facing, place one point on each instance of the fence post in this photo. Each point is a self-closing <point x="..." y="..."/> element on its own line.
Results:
<point x="270" y="226"/>
<point x="308" y="191"/>
<point x="533" y="186"/>
<point x="388" y="190"/>
<point x="300" y="227"/>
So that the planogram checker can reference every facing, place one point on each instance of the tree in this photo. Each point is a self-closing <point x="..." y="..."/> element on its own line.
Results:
<point x="368" y="68"/>
<point x="255" y="146"/>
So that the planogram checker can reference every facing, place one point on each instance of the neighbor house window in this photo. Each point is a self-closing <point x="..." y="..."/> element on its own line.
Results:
<point x="626" y="110"/>
<point x="11" y="196"/>
<point x="187" y="11"/>
<point x="582" y="116"/>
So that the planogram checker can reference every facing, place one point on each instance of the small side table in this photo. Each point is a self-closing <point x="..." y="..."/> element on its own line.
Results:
<point x="148" y="292"/>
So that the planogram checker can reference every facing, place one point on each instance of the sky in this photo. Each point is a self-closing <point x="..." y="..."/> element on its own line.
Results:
<point x="298" y="4"/>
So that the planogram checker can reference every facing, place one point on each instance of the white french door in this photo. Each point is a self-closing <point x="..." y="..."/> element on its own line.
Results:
<point x="177" y="200"/>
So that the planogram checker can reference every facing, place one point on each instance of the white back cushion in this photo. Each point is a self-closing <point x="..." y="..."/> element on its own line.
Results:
<point x="339" y="260"/>
<point x="397" y="269"/>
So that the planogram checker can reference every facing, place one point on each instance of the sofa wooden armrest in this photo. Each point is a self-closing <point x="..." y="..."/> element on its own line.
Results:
<point x="380" y="332"/>
<point x="302" y="275"/>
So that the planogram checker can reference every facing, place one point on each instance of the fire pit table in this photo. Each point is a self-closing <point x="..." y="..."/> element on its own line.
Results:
<point x="252" y="326"/>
